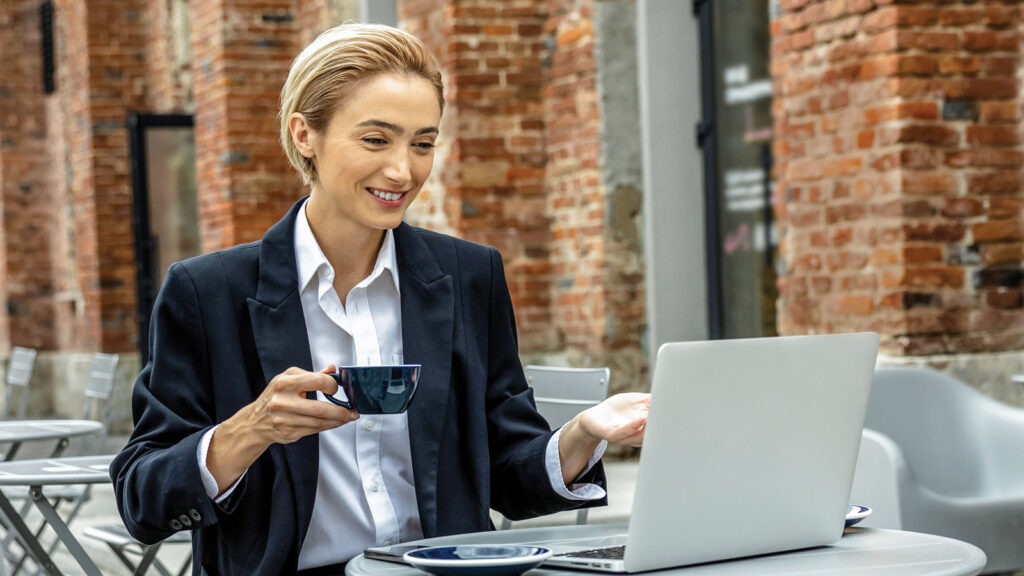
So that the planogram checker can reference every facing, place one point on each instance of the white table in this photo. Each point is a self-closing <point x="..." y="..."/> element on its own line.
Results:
<point x="16" y="432"/>
<point x="50" y="472"/>
<point x="866" y="551"/>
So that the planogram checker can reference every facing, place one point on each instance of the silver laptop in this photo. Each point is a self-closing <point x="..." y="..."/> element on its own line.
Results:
<point x="749" y="449"/>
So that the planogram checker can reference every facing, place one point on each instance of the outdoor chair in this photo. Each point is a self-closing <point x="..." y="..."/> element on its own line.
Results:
<point x="939" y="457"/>
<point x="98" y="390"/>
<point x="126" y="548"/>
<point x="560" y="394"/>
<point x="19" y="374"/>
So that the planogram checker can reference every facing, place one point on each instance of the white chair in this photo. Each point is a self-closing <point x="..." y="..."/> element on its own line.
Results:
<point x="125" y="547"/>
<point x="938" y="456"/>
<point x="560" y="394"/>
<point x="19" y="374"/>
<point x="98" y="390"/>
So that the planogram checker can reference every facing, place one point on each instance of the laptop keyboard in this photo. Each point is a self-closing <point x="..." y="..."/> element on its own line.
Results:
<point x="608" y="553"/>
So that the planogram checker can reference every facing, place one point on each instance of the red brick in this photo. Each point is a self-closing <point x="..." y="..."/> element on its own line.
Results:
<point x="928" y="134"/>
<point x="997" y="230"/>
<point x="1001" y="253"/>
<point x="961" y="208"/>
<point x="1004" y="207"/>
<point x="985" y="158"/>
<point x="988" y="41"/>
<point x="958" y="17"/>
<point x="922" y="182"/>
<point x="1005" y="182"/>
<point x="993" y="135"/>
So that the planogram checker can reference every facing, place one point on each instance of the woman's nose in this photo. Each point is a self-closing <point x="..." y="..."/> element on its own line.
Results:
<point x="397" y="169"/>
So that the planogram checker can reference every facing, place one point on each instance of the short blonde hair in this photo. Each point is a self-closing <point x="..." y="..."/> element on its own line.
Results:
<point x="341" y="59"/>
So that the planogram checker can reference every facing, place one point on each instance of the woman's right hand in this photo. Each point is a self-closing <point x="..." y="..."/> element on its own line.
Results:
<point x="280" y="415"/>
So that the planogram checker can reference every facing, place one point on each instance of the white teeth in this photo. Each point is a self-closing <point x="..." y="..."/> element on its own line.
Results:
<point x="384" y="195"/>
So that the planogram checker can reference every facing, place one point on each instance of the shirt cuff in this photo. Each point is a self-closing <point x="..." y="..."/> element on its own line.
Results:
<point x="209" y="482"/>
<point x="574" y="491"/>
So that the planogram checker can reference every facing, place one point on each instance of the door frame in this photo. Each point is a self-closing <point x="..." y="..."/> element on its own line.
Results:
<point x="138" y="123"/>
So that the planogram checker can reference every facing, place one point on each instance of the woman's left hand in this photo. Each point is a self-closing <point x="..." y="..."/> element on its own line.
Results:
<point x="621" y="419"/>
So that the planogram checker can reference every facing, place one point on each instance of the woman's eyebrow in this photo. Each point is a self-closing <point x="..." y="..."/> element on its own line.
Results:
<point x="395" y="128"/>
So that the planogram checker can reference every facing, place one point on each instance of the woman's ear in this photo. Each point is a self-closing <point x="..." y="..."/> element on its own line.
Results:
<point x="303" y="135"/>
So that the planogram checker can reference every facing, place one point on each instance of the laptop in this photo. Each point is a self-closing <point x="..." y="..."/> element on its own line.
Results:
<point x="749" y="449"/>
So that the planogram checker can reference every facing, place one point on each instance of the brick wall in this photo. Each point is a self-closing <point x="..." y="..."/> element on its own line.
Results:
<point x="435" y="208"/>
<point x="104" y="82"/>
<point x="518" y="167"/>
<point x="168" y="56"/>
<point x="898" y="149"/>
<point x="518" y="163"/>
<point x="488" y="185"/>
<point x="241" y="53"/>
<point x="25" y="258"/>
<point x="576" y="195"/>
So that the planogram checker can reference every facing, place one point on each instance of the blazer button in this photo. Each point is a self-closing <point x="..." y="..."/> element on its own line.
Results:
<point x="185" y="521"/>
<point x="195" y="515"/>
<point x="175" y="525"/>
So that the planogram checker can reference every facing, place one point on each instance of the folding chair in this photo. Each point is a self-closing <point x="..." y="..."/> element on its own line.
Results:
<point x="561" y="394"/>
<point x="98" y="390"/>
<point x="125" y="547"/>
<point x="19" y="373"/>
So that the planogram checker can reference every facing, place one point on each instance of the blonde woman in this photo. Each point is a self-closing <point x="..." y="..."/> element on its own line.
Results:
<point x="233" y="439"/>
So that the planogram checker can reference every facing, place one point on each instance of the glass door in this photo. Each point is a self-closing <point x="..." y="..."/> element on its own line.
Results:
<point x="736" y="137"/>
<point x="165" y="211"/>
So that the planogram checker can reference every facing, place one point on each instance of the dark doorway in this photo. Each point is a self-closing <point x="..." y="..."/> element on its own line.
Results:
<point x="165" y="211"/>
<point x="735" y="136"/>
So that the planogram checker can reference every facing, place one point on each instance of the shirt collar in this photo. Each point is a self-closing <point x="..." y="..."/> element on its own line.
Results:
<point x="310" y="259"/>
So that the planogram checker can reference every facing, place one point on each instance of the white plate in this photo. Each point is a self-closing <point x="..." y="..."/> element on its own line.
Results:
<point x="856" y="513"/>
<point x="478" y="560"/>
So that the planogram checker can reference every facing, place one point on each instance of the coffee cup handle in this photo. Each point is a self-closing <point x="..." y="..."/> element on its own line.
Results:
<point x="344" y="385"/>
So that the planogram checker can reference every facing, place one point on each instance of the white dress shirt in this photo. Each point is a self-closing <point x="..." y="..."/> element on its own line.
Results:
<point x="365" y="494"/>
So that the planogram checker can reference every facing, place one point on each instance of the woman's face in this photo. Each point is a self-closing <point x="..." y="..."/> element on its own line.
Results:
<point x="376" y="153"/>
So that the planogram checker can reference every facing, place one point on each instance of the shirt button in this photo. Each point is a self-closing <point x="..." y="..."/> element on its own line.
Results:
<point x="374" y="486"/>
<point x="368" y="425"/>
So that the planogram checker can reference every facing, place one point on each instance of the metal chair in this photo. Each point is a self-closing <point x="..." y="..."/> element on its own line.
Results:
<point x="19" y="374"/>
<point x="98" y="406"/>
<point x="98" y="390"/>
<point x="125" y="547"/>
<point x="938" y="456"/>
<point x="562" y="393"/>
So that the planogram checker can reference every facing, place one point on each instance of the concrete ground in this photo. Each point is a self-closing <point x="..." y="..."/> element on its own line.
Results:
<point x="101" y="510"/>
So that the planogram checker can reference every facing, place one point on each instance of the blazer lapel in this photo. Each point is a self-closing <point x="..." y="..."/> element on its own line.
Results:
<point x="279" y="331"/>
<point x="428" y="313"/>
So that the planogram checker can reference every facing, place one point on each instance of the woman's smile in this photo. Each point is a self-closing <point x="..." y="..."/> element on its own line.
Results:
<point x="389" y="198"/>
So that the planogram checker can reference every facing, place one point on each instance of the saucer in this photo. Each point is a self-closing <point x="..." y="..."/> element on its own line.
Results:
<point x="489" y="560"/>
<point x="856" y="513"/>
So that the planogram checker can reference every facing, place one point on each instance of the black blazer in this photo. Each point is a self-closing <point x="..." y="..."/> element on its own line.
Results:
<point x="225" y="323"/>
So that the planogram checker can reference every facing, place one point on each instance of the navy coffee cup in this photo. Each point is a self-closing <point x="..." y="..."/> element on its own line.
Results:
<point x="377" y="389"/>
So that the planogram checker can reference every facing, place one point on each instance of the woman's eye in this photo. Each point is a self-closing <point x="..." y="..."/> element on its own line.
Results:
<point x="375" y="141"/>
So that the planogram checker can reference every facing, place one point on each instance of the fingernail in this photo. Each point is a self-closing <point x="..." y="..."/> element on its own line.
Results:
<point x="354" y="415"/>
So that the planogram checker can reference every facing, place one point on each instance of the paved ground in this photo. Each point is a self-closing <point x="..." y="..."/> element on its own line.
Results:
<point x="101" y="510"/>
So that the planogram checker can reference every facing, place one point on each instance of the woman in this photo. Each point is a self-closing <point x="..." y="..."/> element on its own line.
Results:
<point x="232" y="437"/>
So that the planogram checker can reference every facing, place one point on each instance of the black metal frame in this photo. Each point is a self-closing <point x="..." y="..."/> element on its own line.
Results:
<point x="138" y="123"/>
<point x="703" y="10"/>
<point x="46" y="45"/>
